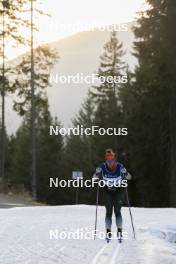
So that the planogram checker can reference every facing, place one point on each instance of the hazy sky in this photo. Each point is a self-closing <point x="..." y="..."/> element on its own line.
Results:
<point x="70" y="16"/>
<point x="97" y="12"/>
<point x="75" y="12"/>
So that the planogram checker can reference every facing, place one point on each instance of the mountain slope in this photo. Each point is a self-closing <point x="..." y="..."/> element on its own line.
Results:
<point x="78" y="54"/>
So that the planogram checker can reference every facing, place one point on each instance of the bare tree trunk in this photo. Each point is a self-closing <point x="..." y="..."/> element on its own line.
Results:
<point x="172" y="114"/>
<point x="3" y="101"/>
<point x="33" y="114"/>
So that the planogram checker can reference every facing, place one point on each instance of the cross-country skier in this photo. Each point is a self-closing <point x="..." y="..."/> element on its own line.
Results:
<point x="112" y="172"/>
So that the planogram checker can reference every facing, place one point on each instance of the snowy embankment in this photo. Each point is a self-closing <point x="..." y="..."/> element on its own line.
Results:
<point x="32" y="235"/>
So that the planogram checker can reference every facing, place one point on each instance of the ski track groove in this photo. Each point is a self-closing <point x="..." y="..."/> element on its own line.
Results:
<point x="114" y="256"/>
<point x="99" y="253"/>
<point x="103" y="257"/>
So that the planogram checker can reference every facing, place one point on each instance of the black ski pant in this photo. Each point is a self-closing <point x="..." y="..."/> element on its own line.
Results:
<point x="113" y="200"/>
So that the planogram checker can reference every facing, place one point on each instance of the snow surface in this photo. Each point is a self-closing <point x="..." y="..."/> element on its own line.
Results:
<point x="25" y="236"/>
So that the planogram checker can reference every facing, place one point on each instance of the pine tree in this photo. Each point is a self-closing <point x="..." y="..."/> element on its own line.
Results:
<point x="12" y="22"/>
<point x="80" y="151"/>
<point x="49" y="156"/>
<point x="151" y="113"/>
<point x="106" y="95"/>
<point x="45" y="59"/>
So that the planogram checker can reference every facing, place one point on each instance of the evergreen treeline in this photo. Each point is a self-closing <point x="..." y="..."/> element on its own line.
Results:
<point x="145" y="104"/>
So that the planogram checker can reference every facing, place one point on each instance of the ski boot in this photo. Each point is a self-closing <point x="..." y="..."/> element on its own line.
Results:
<point x="119" y="235"/>
<point x="108" y="235"/>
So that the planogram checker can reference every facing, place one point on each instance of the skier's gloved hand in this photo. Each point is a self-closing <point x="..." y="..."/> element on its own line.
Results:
<point x="97" y="173"/>
<point x="129" y="176"/>
<point x="125" y="175"/>
<point x="95" y="176"/>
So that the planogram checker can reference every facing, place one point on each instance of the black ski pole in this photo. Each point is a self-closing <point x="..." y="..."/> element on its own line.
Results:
<point x="96" y="211"/>
<point x="130" y="213"/>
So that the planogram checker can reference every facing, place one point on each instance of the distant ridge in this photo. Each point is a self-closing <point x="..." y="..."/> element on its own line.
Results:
<point x="78" y="53"/>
